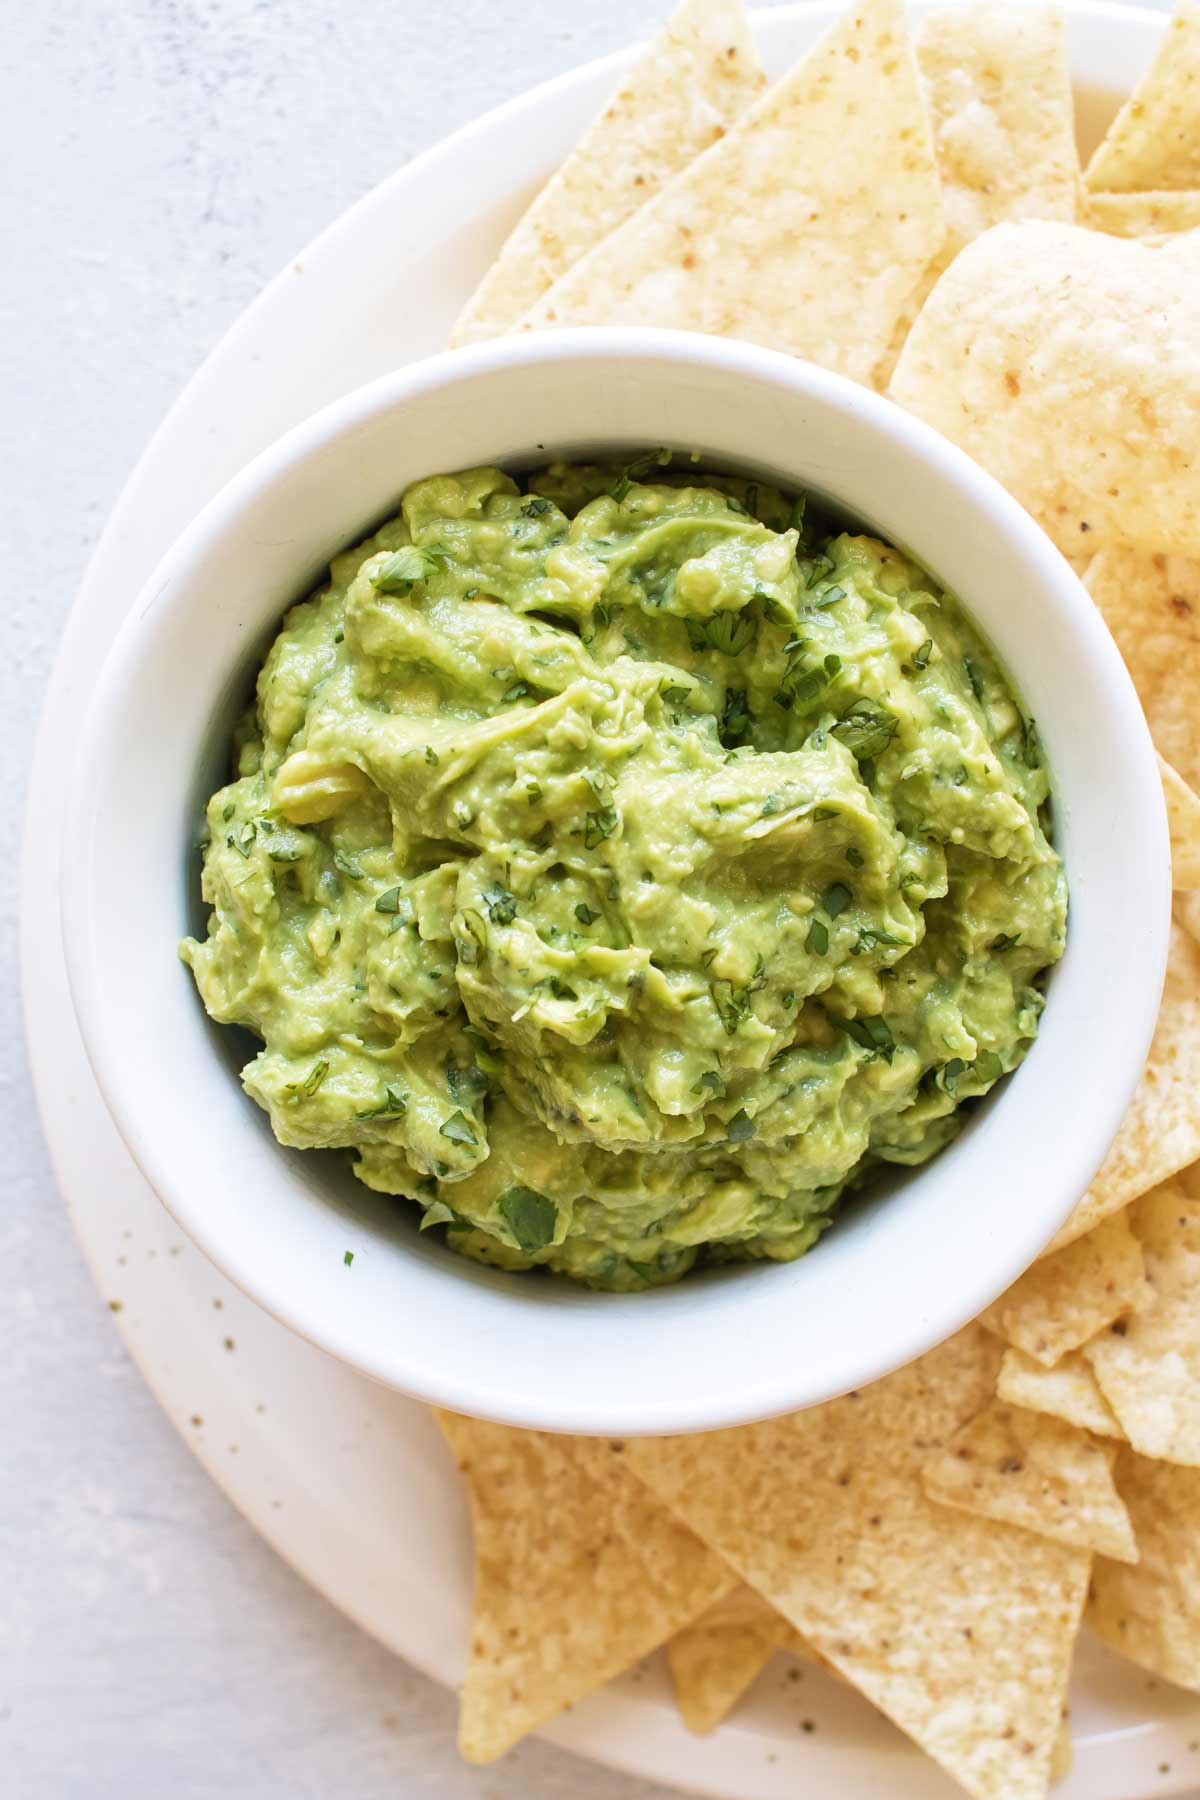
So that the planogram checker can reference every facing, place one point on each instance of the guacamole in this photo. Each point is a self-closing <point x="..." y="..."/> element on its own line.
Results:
<point x="622" y="864"/>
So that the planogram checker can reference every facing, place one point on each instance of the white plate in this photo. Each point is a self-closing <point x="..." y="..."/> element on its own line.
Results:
<point x="349" y="1482"/>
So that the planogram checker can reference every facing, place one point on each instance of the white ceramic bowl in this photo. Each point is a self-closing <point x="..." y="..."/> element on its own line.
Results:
<point x="897" y="1274"/>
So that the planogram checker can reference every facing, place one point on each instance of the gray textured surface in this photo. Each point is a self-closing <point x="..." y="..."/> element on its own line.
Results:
<point x="159" y="160"/>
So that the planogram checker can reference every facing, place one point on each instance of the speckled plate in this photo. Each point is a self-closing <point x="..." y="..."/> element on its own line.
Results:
<point x="348" y="1481"/>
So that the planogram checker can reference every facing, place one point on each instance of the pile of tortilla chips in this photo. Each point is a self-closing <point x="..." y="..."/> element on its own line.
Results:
<point x="915" y="216"/>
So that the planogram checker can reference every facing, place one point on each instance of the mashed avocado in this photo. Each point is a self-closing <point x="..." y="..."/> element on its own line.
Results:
<point x="621" y="866"/>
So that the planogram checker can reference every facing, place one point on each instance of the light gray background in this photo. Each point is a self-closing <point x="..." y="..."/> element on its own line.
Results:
<point x="159" y="161"/>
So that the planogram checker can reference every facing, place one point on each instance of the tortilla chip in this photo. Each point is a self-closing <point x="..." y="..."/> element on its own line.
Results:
<point x="1068" y="1297"/>
<point x="1154" y="215"/>
<point x="1067" y="1391"/>
<point x="700" y="73"/>
<point x="1148" y="1366"/>
<point x="1183" y="818"/>
<point x="574" y="1579"/>
<point x="1152" y="1612"/>
<point x="1160" y="1134"/>
<point x="998" y="88"/>
<point x="1154" y="141"/>
<point x="1068" y="364"/>
<point x="1187" y="913"/>
<point x="1167" y="1223"/>
<point x="959" y="1629"/>
<point x="1151" y="604"/>
<point x="998" y="85"/>
<point x="806" y="228"/>
<point x="1037" y="1472"/>
<point x="1060" y="1758"/>
<point x="714" y="1661"/>
<point x="799" y="1647"/>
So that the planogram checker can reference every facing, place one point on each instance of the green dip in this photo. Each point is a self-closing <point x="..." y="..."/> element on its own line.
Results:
<point x="622" y="868"/>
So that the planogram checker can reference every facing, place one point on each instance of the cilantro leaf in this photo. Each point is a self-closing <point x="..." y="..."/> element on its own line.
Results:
<point x="457" y="1128"/>
<point x="530" y="1217"/>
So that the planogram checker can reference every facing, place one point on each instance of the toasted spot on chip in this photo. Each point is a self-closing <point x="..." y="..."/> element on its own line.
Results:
<point x="1035" y="1471"/>
<point x="1067" y="1391"/>
<point x="1069" y="1296"/>
<point x="676" y="101"/>
<point x="1160" y="1134"/>
<point x="1149" y="1612"/>
<point x="1154" y="141"/>
<point x="1106" y="331"/>
<point x="765" y="214"/>
<point x="715" y="1660"/>
<point x="960" y="1629"/>
<point x="578" y="1573"/>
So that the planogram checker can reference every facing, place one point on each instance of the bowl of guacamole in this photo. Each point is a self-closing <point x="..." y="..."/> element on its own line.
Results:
<point x="622" y="862"/>
<point x="658" y="841"/>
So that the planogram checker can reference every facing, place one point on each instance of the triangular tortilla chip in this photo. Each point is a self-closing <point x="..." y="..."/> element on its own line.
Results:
<point x="700" y="73"/>
<point x="998" y="84"/>
<point x="1183" y="817"/>
<point x="1154" y="215"/>
<point x="574" y="1579"/>
<point x="1067" y="1391"/>
<point x="959" y="1629"/>
<point x="1151" y="604"/>
<point x="806" y="228"/>
<point x="1152" y="1612"/>
<point x="1160" y="1133"/>
<point x="714" y="1661"/>
<point x="998" y="87"/>
<point x="1037" y="1472"/>
<point x="1148" y="1366"/>
<point x="1068" y="364"/>
<point x="1067" y="1298"/>
<point x="1154" y="141"/>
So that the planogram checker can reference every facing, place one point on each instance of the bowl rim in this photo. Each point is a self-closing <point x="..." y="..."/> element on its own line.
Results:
<point x="907" y="435"/>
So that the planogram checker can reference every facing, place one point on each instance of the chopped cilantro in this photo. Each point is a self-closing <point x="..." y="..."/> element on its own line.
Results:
<point x="740" y="1127"/>
<point x="530" y="1216"/>
<point x="408" y="565"/>
<point x="501" y="905"/>
<point x="867" y="729"/>
<point x="304" y="1090"/>
<point x="457" y="1128"/>
<point x="599" y="825"/>
<point x="393" y="1105"/>
<point x="871" y="1033"/>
